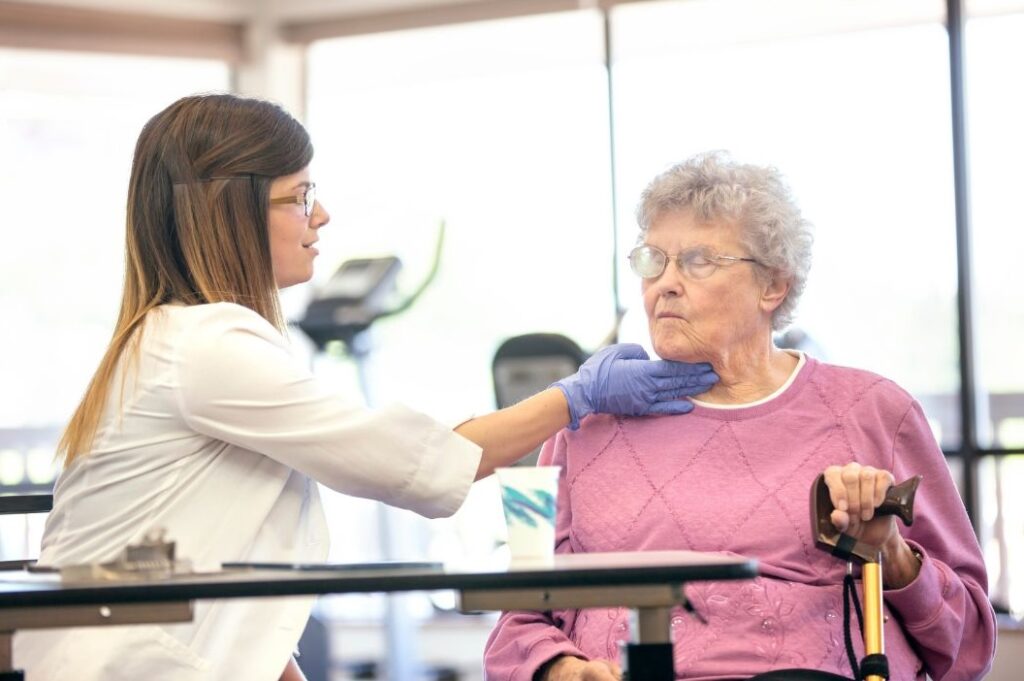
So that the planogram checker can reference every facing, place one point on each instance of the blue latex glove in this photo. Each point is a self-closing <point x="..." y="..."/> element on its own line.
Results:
<point x="621" y="379"/>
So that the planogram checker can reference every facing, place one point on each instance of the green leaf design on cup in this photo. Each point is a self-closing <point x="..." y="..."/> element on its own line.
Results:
<point x="527" y="506"/>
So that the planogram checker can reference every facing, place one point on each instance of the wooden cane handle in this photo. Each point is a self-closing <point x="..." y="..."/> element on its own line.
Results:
<point x="899" y="500"/>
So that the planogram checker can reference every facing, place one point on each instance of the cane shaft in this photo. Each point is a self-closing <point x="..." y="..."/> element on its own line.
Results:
<point x="874" y="644"/>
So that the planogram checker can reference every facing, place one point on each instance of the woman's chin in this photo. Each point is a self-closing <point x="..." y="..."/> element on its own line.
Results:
<point x="677" y="352"/>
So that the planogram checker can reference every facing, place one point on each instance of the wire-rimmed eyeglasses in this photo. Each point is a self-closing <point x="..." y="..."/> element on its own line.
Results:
<point x="650" y="262"/>
<point x="306" y="199"/>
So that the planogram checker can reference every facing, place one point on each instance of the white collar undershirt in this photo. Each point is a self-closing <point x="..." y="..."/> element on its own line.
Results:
<point x="801" y="360"/>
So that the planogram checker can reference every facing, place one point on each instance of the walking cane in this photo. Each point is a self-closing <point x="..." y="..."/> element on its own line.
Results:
<point x="899" y="501"/>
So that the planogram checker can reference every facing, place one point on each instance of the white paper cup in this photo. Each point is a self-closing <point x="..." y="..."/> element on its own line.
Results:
<point x="529" y="496"/>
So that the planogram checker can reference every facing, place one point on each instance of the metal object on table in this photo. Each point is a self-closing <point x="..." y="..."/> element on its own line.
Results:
<point x="152" y="558"/>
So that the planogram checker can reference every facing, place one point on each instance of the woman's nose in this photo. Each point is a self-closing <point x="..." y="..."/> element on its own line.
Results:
<point x="320" y="216"/>
<point x="670" y="282"/>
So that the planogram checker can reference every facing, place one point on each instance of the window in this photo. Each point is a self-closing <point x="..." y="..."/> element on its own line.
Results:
<point x="69" y="123"/>
<point x="500" y="129"/>
<point x="994" y="35"/>
<point x="996" y="141"/>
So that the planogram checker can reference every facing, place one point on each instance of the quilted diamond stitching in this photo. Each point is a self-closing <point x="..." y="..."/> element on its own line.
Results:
<point x="658" y="491"/>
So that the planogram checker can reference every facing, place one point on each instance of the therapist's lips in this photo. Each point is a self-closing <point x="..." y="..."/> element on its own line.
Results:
<point x="311" y="248"/>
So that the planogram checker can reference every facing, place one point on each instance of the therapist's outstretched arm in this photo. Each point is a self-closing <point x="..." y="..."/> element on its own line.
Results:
<point x="619" y="379"/>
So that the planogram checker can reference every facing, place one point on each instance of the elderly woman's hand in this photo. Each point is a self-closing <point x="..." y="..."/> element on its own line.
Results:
<point x="566" y="668"/>
<point x="856" y="491"/>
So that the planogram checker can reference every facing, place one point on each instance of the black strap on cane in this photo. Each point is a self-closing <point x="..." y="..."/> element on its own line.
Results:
<point x="850" y="594"/>
<point x="844" y="547"/>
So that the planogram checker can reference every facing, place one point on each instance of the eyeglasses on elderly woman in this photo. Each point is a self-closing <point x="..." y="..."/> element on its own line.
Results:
<point x="650" y="262"/>
<point x="306" y="199"/>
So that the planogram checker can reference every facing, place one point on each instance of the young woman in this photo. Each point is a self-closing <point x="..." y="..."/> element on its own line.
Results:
<point x="199" y="420"/>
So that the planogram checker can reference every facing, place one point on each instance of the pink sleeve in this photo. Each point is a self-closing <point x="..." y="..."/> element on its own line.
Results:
<point x="523" y="641"/>
<point x="945" y="611"/>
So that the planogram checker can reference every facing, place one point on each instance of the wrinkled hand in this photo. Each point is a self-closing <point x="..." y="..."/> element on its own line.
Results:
<point x="621" y="379"/>
<point x="856" y="491"/>
<point x="574" y="669"/>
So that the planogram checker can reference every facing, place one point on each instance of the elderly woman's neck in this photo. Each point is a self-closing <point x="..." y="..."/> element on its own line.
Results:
<point x="747" y="375"/>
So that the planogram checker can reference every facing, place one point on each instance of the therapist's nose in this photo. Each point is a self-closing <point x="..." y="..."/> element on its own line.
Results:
<point x="320" y="216"/>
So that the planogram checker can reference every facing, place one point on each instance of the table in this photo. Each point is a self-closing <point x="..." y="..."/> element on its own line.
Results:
<point x="651" y="582"/>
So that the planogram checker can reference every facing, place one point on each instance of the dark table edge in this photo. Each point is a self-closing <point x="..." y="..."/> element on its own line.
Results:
<point x="321" y="583"/>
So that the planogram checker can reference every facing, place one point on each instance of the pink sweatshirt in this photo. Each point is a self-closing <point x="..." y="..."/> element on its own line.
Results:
<point x="738" y="481"/>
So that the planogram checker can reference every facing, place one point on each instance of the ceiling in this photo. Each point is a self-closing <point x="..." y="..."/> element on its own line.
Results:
<point x="247" y="9"/>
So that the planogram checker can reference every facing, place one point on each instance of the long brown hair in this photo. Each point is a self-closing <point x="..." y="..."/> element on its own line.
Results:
<point x="197" y="224"/>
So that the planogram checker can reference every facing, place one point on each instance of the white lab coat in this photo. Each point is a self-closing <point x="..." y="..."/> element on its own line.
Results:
<point x="217" y="438"/>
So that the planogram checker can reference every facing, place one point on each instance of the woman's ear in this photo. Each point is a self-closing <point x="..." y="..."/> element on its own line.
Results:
<point x="775" y="291"/>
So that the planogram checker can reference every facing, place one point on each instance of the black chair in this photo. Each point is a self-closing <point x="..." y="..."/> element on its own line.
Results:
<point x="524" y="365"/>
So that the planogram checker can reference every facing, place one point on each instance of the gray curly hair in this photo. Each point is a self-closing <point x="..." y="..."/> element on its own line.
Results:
<point x="715" y="187"/>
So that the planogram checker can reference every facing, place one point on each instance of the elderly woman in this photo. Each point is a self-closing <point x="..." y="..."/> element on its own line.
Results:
<point x="724" y="255"/>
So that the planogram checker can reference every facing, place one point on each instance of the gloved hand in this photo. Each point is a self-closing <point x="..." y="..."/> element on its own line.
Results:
<point x="621" y="379"/>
